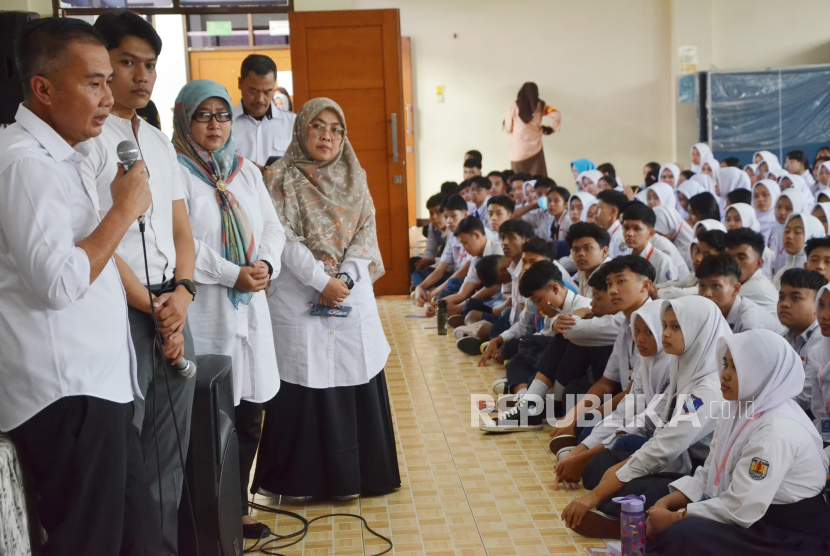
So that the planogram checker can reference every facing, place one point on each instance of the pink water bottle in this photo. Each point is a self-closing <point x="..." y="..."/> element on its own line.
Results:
<point x="632" y="524"/>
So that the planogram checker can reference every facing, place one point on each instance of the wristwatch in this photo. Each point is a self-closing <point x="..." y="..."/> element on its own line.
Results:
<point x="188" y="285"/>
<point x="346" y="279"/>
<point x="270" y="268"/>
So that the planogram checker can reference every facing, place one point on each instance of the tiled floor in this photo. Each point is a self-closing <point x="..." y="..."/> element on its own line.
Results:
<point x="463" y="492"/>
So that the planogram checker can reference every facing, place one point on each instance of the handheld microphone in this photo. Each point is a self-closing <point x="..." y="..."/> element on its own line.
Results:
<point x="186" y="368"/>
<point x="128" y="155"/>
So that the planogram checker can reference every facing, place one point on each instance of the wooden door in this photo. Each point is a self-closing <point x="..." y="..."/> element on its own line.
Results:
<point x="223" y="66"/>
<point x="354" y="58"/>
<point x="409" y="110"/>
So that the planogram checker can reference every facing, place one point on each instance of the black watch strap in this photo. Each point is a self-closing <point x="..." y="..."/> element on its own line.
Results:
<point x="188" y="285"/>
<point x="346" y="279"/>
<point x="270" y="268"/>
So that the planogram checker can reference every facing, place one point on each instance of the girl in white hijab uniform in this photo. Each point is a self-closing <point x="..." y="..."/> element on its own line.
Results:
<point x="661" y="193"/>
<point x="686" y="191"/>
<point x="822" y="212"/>
<point x="593" y="177"/>
<point x="710" y="167"/>
<point x="730" y="179"/>
<point x="760" y="490"/>
<point x="691" y="328"/>
<point x="798" y="183"/>
<point x="746" y="219"/>
<point x="777" y="239"/>
<point x="766" y="196"/>
<point x="586" y="200"/>
<point x="703" y="152"/>
<point x="812" y="228"/>
<point x="671" y="177"/>
<point x="766" y="161"/>
<point x="710" y="224"/>
<point x="673" y="227"/>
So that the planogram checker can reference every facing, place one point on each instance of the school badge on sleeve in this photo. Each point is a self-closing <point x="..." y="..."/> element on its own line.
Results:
<point x="758" y="468"/>
<point x="692" y="404"/>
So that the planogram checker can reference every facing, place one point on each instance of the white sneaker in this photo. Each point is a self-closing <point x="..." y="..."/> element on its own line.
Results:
<point x="500" y="386"/>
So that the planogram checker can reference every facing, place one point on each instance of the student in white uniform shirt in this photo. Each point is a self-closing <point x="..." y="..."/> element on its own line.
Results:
<point x="479" y="195"/>
<point x="818" y="255"/>
<point x="589" y="250"/>
<point x="798" y="229"/>
<point x="68" y="372"/>
<point x="718" y="278"/>
<point x="331" y="369"/>
<point x="262" y="130"/>
<point x="818" y="369"/>
<point x="707" y="243"/>
<point x="748" y="248"/>
<point x="638" y="229"/>
<point x="760" y="490"/>
<point x="453" y="259"/>
<point x="797" y="311"/>
<point x="671" y="226"/>
<point x="134" y="47"/>
<point x="228" y="207"/>
<point x="692" y="327"/>
<point x="611" y="206"/>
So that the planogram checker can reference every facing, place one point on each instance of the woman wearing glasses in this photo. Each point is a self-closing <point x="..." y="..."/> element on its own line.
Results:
<point x="328" y="433"/>
<point x="239" y="242"/>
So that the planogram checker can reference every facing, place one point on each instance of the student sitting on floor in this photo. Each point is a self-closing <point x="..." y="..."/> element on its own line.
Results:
<point x="629" y="281"/>
<point x="797" y="311"/>
<point x="741" y="215"/>
<point x="497" y="184"/>
<point x="542" y="285"/>
<point x="817" y="250"/>
<point x="517" y="183"/>
<point x="470" y="233"/>
<point x="479" y="195"/>
<point x="589" y="250"/>
<point x="514" y="234"/>
<point x="707" y="243"/>
<point x="625" y="429"/>
<point x="670" y="225"/>
<point x="453" y="258"/>
<point x="818" y="369"/>
<point x="691" y="328"/>
<point x="718" y="278"/>
<point x="798" y="229"/>
<point x="748" y="249"/>
<point x="760" y="490"/>
<point x="435" y="243"/>
<point x="499" y="211"/>
<point x="638" y="229"/>
<point x="610" y="206"/>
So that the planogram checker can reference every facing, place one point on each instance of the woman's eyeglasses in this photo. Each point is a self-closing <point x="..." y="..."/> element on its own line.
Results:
<point x="318" y="130"/>
<point x="206" y="117"/>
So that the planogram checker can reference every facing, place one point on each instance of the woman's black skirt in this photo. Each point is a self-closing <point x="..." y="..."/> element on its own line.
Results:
<point x="326" y="442"/>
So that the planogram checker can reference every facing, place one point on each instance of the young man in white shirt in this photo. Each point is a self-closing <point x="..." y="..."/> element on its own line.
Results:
<point x="817" y="250"/>
<point x="638" y="228"/>
<point x="435" y="242"/>
<point x="611" y="205"/>
<point x="453" y="258"/>
<point x="68" y="370"/>
<point x="479" y="195"/>
<point x="134" y="48"/>
<point x="718" y="278"/>
<point x="797" y="312"/>
<point x="748" y="249"/>
<point x="589" y="251"/>
<point x="261" y="130"/>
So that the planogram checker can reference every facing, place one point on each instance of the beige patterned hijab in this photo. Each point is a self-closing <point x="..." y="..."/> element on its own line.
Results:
<point x="325" y="205"/>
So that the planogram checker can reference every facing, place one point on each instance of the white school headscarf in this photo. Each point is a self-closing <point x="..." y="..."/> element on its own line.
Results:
<point x="767" y="218"/>
<point x="702" y="323"/>
<point x="707" y="181"/>
<point x="731" y="179"/>
<point x="670" y="224"/>
<point x="588" y="201"/>
<point x="769" y="158"/>
<point x="656" y="368"/>
<point x="801" y="186"/>
<point x="665" y="193"/>
<point x="796" y="199"/>
<point x="704" y="151"/>
<point x="822" y="193"/>
<point x="642" y="196"/>
<point x="713" y="164"/>
<point x="747" y="214"/>
<point x="529" y="185"/>
<point x="812" y="228"/>
<point x="593" y="175"/>
<point x="824" y="207"/>
<point x="753" y="167"/>
<point x="770" y="374"/>
<point x="825" y="164"/>
<point x="671" y="167"/>
<point x="709" y="225"/>
<point x="692" y="187"/>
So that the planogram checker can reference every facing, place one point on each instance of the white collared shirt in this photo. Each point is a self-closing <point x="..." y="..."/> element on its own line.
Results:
<point x="584" y="289"/>
<point x="803" y="345"/>
<point x="760" y="290"/>
<point x="491" y="248"/>
<point x="259" y="140"/>
<point x="60" y="335"/>
<point x="745" y="315"/>
<point x="664" y="268"/>
<point x="617" y="247"/>
<point x="165" y="185"/>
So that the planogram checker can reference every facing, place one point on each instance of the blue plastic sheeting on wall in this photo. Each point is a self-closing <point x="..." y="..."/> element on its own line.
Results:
<point x="775" y="110"/>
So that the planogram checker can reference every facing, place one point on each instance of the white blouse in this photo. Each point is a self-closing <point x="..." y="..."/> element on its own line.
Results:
<point x="325" y="352"/>
<point x="217" y="327"/>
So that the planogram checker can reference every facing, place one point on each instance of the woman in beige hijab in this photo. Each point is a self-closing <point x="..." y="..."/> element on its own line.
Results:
<point x="328" y="432"/>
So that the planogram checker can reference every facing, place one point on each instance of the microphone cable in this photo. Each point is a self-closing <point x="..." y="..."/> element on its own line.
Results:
<point x="158" y="344"/>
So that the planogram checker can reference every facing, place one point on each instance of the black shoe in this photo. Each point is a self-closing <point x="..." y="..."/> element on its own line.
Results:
<point x="516" y="419"/>
<point x="255" y="531"/>
<point x="469" y="345"/>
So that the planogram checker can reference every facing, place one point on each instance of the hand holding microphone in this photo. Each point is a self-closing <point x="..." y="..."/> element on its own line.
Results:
<point x="130" y="190"/>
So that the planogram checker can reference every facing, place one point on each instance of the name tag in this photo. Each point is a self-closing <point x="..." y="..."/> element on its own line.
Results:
<point x="824" y="427"/>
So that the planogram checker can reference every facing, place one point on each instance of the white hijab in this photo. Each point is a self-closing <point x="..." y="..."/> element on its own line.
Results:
<point x="825" y="164"/>
<point x="665" y="193"/>
<point x="747" y="214"/>
<point x="714" y="165"/>
<point x="825" y="207"/>
<point x="707" y="181"/>
<point x="796" y="200"/>
<point x="812" y="228"/>
<point x="770" y="374"/>
<point x="704" y="151"/>
<point x="692" y="187"/>
<point x="709" y="225"/>
<point x="801" y="186"/>
<point x="702" y="323"/>
<point x="731" y="179"/>
<point x="767" y="218"/>
<point x="670" y="224"/>
<point x="528" y="186"/>
<point x="642" y="196"/>
<point x="592" y="175"/>
<point x="656" y="368"/>
<point x="822" y="192"/>
<point x="770" y="159"/>
<point x="588" y="201"/>
<point x="671" y="167"/>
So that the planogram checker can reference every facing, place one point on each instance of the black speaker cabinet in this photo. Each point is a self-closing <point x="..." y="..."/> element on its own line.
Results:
<point x="212" y="466"/>
<point x="11" y="87"/>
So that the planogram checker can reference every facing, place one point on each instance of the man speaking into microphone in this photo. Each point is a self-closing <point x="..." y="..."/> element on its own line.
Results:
<point x="67" y="367"/>
<point x="134" y="47"/>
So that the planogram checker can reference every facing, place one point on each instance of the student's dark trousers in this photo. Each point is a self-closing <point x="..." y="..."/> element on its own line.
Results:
<point x="83" y="461"/>
<point x="564" y="362"/>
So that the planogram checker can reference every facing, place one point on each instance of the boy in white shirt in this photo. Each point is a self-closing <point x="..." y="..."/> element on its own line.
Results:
<point x="611" y="205"/>
<point x="589" y="250"/>
<point x="479" y="195"/>
<point x="638" y="228"/>
<point x="817" y="250"/>
<point x="452" y="258"/>
<point x="748" y="249"/>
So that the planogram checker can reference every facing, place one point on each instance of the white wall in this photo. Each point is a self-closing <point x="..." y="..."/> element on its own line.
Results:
<point x="171" y="69"/>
